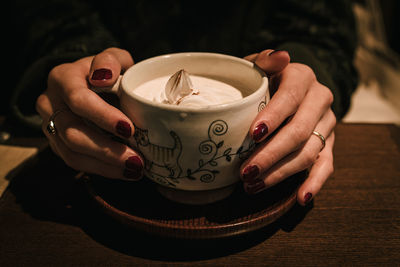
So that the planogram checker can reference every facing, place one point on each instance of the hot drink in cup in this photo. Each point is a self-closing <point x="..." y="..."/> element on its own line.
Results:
<point x="192" y="113"/>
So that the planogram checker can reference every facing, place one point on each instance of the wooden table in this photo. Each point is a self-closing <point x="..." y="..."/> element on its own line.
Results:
<point x="46" y="219"/>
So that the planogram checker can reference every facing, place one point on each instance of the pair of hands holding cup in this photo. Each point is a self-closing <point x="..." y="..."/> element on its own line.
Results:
<point x="299" y="106"/>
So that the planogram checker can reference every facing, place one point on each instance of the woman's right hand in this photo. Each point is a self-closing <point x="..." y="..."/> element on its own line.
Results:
<point x="81" y="146"/>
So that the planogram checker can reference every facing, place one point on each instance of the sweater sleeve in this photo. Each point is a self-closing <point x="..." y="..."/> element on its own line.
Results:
<point x="50" y="33"/>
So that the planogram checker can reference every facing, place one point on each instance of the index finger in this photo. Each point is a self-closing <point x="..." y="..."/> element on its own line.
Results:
<point x="272" y="61"/>
<point x="106" y="66"/>
<point x="72" y="85"/>
<point x="295" y="81"/>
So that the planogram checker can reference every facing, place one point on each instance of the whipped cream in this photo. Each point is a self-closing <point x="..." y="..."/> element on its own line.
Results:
<point x="190" y="91"/>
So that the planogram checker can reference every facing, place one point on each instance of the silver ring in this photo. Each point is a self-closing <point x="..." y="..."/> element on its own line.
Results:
<point x="51" y="126"/>
<point x="321" y="137"/>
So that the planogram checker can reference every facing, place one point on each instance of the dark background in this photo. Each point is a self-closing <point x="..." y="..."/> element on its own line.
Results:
<point x="390" y="14"/>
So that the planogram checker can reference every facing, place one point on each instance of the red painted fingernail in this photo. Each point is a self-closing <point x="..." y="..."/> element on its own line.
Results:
<point x="255" y="188"/>
<point x="250" y="172"/>
<point x="307" y="197"/>
<point x="132" y="174"/>
<point x="123" y="128"/>
<point x="134" y="163"/>
<point x="260" y="131"/>
<point x="276" y="52"/>
<point x="102" y="74"/>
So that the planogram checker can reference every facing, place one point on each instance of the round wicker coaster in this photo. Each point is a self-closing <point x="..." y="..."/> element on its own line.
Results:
<point x="140" y="205"/>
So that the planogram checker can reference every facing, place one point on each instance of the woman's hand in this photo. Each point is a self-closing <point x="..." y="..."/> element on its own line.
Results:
<point x="68" y="96"/>
<point x="299" y="106"/>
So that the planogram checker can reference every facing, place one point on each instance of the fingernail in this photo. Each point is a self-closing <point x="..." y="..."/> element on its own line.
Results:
<point x="124" y="129"/>
<point x="134" y="163"/>
<point x="102" y="74"/>
<point x="307" y="197"/>
<point x="260" y="131"/>
<point x="276" y="51"/>
<point x="250" y="172"/>
<point x="255" y="188"/>
<point x="132" y="174"/>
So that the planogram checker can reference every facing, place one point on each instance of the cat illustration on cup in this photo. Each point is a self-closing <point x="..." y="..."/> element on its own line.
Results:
<point x="165" y="160"/>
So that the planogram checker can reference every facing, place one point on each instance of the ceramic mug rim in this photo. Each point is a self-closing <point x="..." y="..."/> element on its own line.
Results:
<point x="254" y="96"/>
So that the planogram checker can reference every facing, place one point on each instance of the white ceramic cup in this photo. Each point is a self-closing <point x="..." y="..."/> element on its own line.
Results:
<point x="194" y="153"/>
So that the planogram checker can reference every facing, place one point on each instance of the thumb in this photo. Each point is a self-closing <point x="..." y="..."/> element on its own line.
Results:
<point x="107" y="65"/>
<point x="272" y="61"/>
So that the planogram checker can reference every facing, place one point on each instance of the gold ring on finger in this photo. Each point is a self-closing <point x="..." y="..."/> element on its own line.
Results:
<point x="51" y="126"/>
<point x="321" y="137"/>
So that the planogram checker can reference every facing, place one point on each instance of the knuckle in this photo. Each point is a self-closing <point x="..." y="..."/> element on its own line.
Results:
<point x="73" y="99"/>
<point x="293" y="96"/>
<point x="56" y="73"/>
<point x="40" y="103"/>
<point x="107" y="55"/>
<point x="72" y="139"/>
<point x="331" y="169"/>
<point x="330" y="96"/>
<point x="268" y="158"/>
<point x="309" y="158"/>
<point x="279" y="175"/>
<point x="327" y="94"/>
<point x="294" y="69"/>
<point x="303" y="70"/>
<point x="113" y="49"/>
<point x="300" y="134"/>
<point x="333" y="117"/>
<point x="326" y="161"/>
<point x="120" y="54"/>
<point x="107" y="152"/>
<point x="308" y="71"/>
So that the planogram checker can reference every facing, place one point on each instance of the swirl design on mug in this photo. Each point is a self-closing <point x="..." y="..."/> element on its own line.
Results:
<point x="207" y="177"/>
<point x="165" y="167"/>
<point x="218" y="128"/>
<point x="212" y="148"/>
<point x="206" y="147"/>
<point x="262" y="104"/>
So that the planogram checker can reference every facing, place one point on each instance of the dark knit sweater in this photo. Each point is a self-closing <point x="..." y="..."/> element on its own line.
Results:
<point x="320" y="34"/>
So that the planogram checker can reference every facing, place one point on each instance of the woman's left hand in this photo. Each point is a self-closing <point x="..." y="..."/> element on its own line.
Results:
<point x="287" y="128"/>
